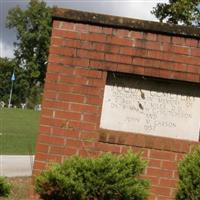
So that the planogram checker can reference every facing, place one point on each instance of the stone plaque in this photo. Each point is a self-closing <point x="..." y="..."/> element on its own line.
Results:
<point x="154" y="107"/>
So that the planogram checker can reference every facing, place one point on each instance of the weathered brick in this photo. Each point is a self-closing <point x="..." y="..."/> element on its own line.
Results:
<point x="64" y="33"/>
<point x="88" y="135"/>
<point x="44" y="129"/>
<point x="65" y="51"/>
<point x="153" y="180"/>
<point x="94" y="100"/>
<point x="68" y="97"/>
<point x="107" y="147"/>
<point x="137" y="35"/>
<point x="119" y="41"/>
<point x="193" y="69"/>
<point x="58" y="87"/>
<point x="159" y="172"/>
<point x="50" y="94"/>
<point x="67" y="115"/>
<point x="90" y="118"/>
<point x="168" y="182"/>
<point x="126" y="50"/>
<point x="68" y="26"/>
<point x="192" y="77"/>
<point x="83" y="108"/>
<point x="85" y="90"/>
<point x="82" y="125"/>
<point x="47" y="113"/>
<point x="88" y="73"/>
<point x="39" y="165"/>
<point x="73" y="80"/>
<point x="83" y="28"/>
<point x="56" y="68"/>
<point x="90" y="54"/>
<point x="161" y="190"/>
<point x="118" y="58"/>
<point x="95" y="29"/>
<point x="69" y="151"/>
<point x="164" y="155"/>
<point x="46" y="139"/>
<point x="56" y="150"/>
<point x="52" y="122"/>
<point x="93" y="37"/>
<point x="42" y="148"/>
<point x="154" y="163"/>
<point x="169" y="165"/>
<point x="57" y="59"/>
<point x="55" y="105"/>
<point x="150" y="36"/>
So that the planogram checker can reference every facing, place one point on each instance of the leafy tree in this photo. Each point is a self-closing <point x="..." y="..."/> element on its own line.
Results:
<point x="20" y="86"/>
<point x="35" y="96"/>
<point x="33" y="27"/>
<point x="185" y="12"/>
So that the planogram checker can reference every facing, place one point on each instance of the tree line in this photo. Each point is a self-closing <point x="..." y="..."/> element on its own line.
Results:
<point x="33" y="28"/>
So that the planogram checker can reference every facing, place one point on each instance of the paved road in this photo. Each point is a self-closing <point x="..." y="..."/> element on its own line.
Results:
<point x="12" y="166"/>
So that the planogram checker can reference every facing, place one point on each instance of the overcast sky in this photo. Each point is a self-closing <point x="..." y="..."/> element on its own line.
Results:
<point x="139" y="9"/>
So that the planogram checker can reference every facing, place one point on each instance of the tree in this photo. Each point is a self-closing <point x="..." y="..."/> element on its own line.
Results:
<point x="20" y="86"/>
<point x="185" y="12"/>
<point x="33" y="27"/>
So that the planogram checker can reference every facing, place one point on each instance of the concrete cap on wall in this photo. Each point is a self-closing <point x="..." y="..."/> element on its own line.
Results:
<point x="125" y="23"/>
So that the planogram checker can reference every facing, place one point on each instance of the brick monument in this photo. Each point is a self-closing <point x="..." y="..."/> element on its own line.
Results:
<point x="116" y="83"/>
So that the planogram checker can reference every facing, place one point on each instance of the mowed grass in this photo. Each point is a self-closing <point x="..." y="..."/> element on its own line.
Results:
<point x="18" y="131"/>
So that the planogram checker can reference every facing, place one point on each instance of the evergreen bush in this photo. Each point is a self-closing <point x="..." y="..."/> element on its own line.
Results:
<point x="189" y="177"/>
<point x="5" y="187"/>
<point x="108" y="177"/>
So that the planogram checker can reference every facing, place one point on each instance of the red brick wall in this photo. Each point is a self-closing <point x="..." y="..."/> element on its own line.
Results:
<point x="80" y="57"/>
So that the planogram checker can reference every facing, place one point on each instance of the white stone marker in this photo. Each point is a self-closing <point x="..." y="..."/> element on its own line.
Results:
<point x="148" y="107"/>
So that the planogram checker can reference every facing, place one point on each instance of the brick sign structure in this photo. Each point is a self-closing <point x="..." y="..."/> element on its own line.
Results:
<point x="115" y="83"/>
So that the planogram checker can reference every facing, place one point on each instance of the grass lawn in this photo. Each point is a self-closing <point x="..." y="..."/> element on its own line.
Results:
<point x="18" y="131"/>
<point x="20" y="188"/>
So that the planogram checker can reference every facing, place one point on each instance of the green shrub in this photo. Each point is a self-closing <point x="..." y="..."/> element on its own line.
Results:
<point x="5" y="187"/>
<point x="107" y="177"/>
<point x="189" y="177"/>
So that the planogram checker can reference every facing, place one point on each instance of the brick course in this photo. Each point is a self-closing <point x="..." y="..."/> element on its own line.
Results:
<point x="80" y="56"/>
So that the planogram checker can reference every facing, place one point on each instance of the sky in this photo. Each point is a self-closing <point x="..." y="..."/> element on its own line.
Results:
<point x="138" y="9"/>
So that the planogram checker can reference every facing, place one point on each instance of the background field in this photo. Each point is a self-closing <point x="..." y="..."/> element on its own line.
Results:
<point x="18" y="131"/>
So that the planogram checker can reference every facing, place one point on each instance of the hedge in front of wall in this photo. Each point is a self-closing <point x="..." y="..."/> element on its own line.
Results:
<point x="189" y="177"/>
<point x="110" y="177"/>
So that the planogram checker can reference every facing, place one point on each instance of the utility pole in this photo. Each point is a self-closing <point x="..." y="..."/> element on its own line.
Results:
<point x="11" y="89"/>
